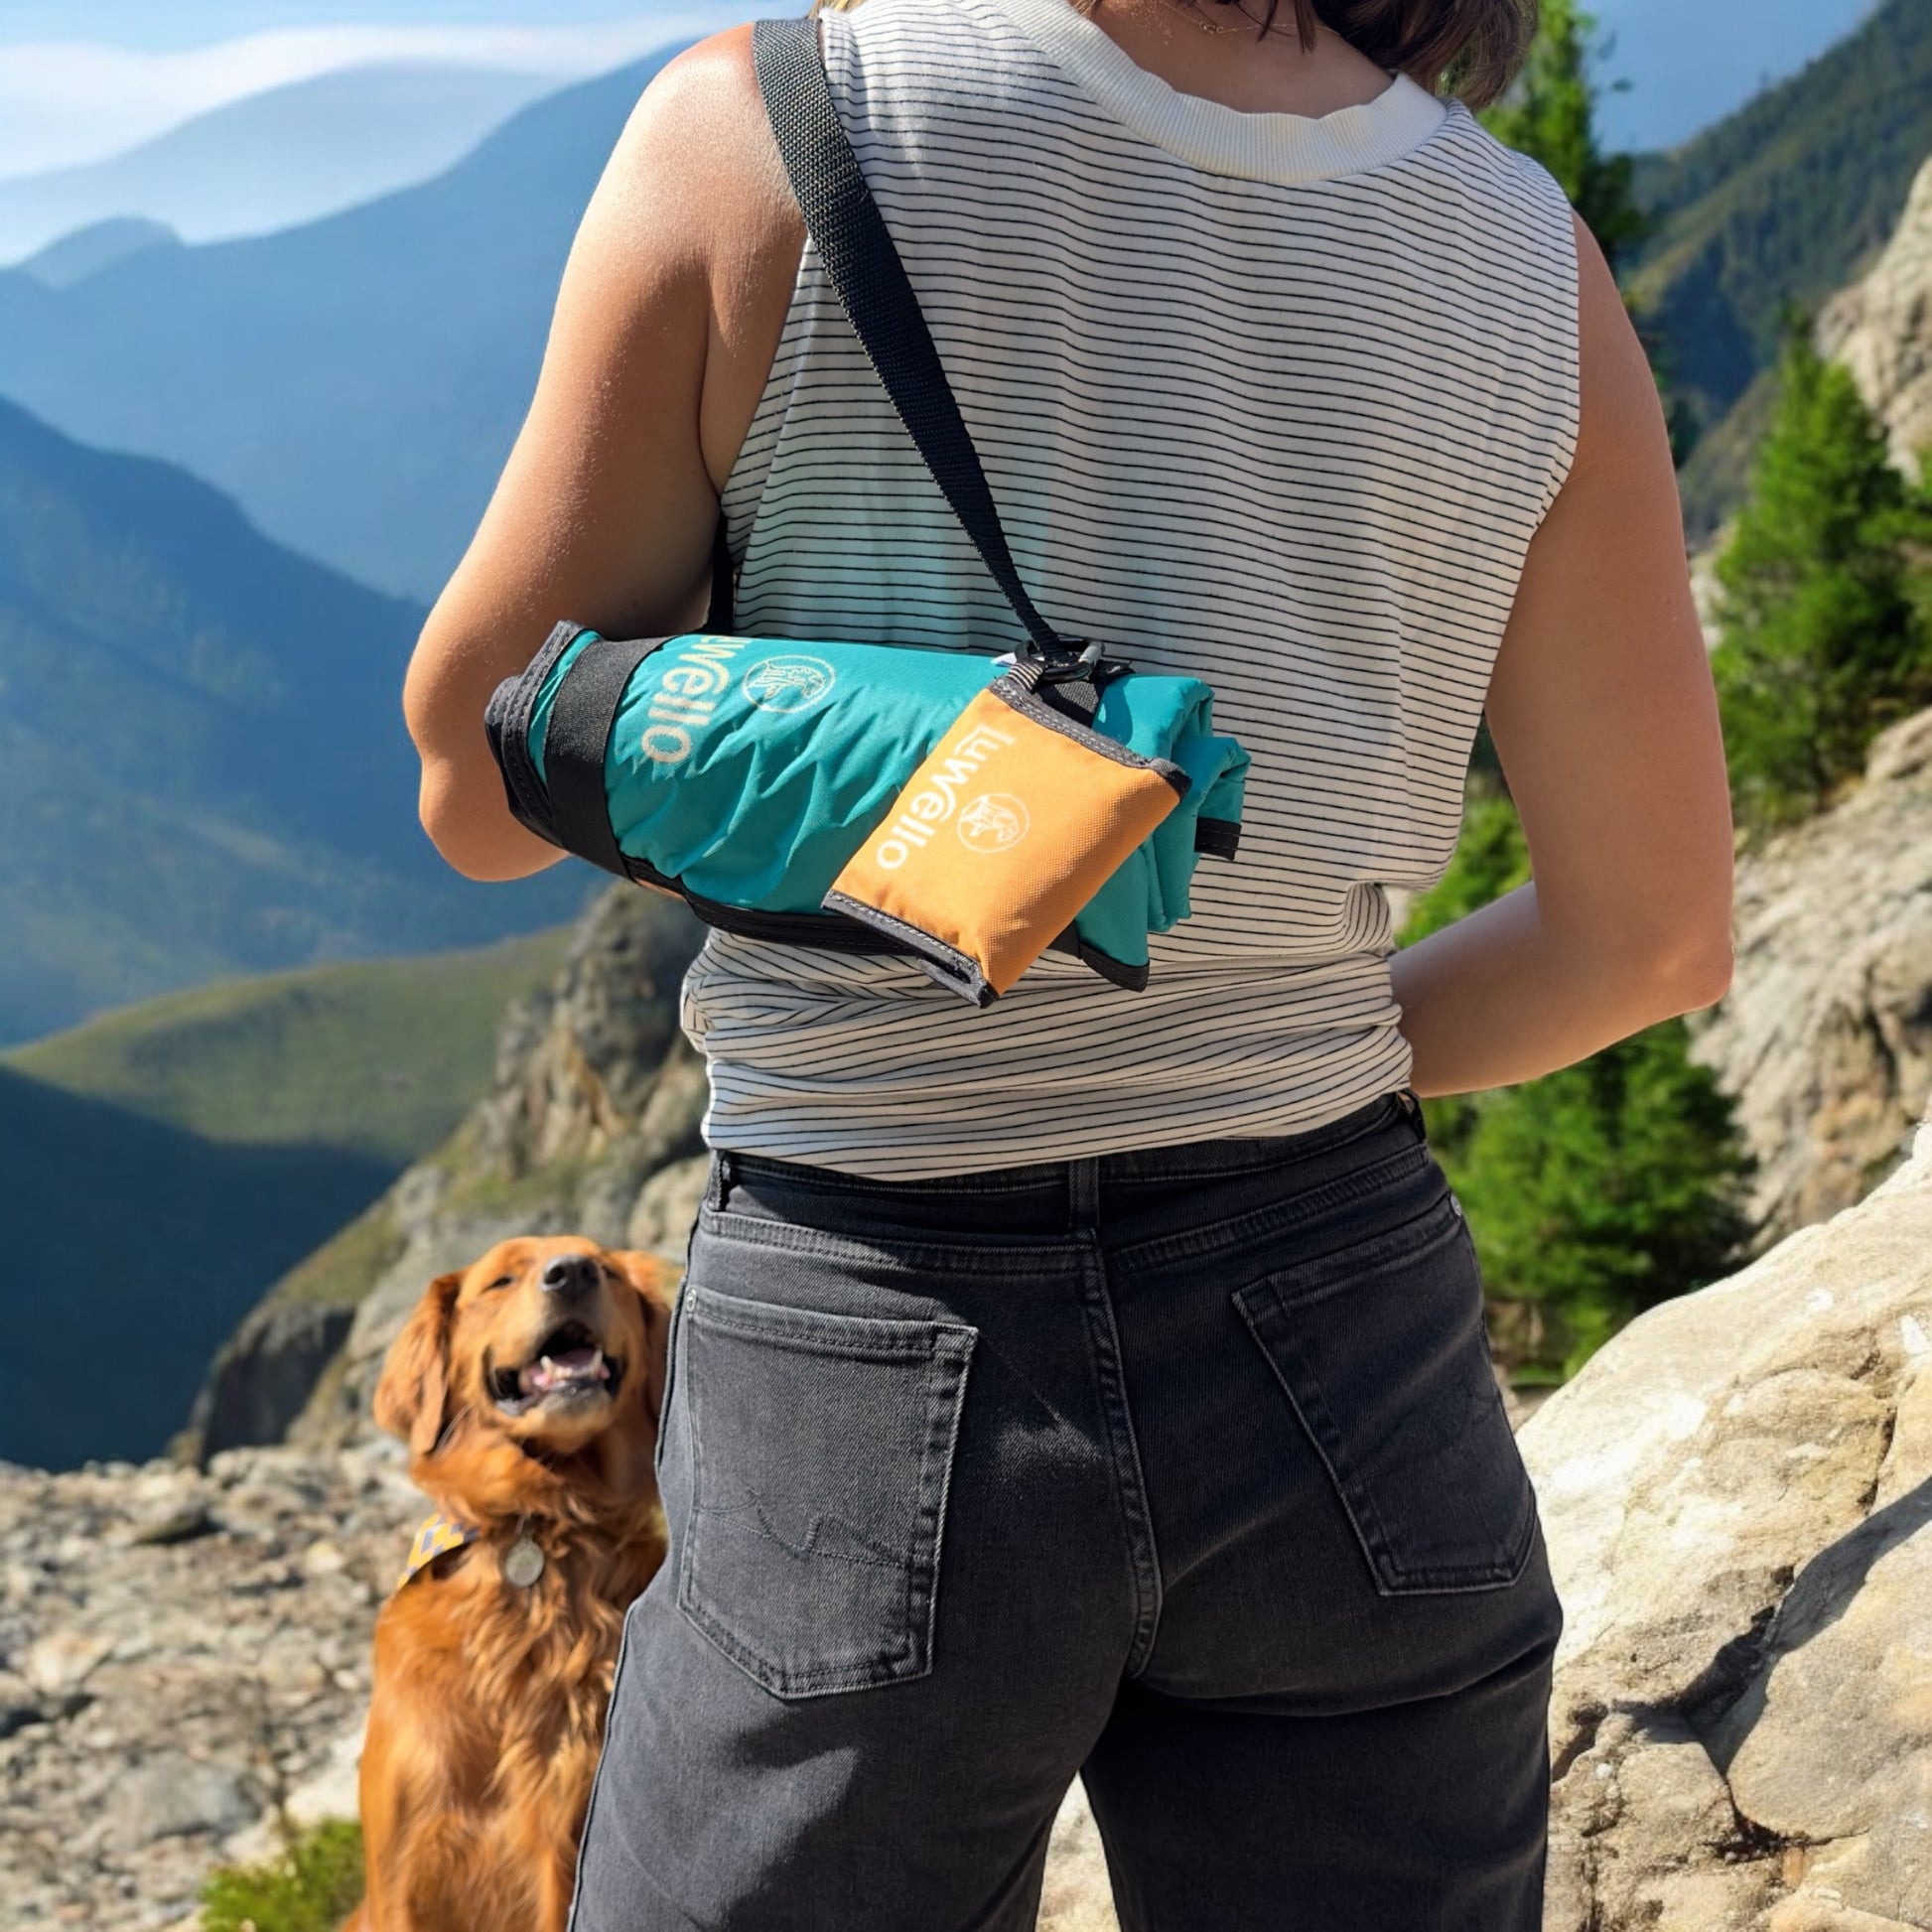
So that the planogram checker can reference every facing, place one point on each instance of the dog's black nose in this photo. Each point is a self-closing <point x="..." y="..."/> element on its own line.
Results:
<point x="570" y="1275"/>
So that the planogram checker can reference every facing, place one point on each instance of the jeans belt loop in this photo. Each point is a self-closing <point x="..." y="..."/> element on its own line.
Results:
<point x="1083" y="1194"/>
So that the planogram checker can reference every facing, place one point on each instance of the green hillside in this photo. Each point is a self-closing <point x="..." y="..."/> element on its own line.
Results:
<point x="1779" y="207"/>
<point x="377" y="1058"/>
<point x="161" y="1166"/>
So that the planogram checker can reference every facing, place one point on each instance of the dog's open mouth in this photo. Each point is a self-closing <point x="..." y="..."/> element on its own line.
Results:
<point x="570" y="1365"/>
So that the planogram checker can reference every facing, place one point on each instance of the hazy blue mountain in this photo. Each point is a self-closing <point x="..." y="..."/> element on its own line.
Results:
<point x="286" y="155"/>
<point x="103" y="244"/>
<point x="1775" y="209"/>
<point x="355" y="383"/>
<point x="202" y="766"/>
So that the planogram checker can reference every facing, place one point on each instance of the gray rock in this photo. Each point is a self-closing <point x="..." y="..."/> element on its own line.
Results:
<point x="20" y="1704"/>
<point x="60" y="1661"/>
<point x="1737" y="1493"/>
<point x="1881" y="328"/>
<point x="192" y="1689"/>
<point x="1825" y="1040"/>
<point x="264" y="1375"/>
<point x="172" y="1796"/>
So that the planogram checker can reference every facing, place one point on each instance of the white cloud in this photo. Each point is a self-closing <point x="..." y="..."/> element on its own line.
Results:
<point x="65" y="102"/>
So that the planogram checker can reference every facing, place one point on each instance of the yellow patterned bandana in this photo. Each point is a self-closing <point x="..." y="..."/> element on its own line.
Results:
<point x="438" y="1535"/>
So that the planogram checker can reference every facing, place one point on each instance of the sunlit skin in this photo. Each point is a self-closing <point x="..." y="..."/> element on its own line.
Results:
<point x="1600" y="705"/>
<point x="531" y="1411"/>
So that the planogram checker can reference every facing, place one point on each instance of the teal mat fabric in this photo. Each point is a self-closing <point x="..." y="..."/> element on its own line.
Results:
<point x="752" y="770"/>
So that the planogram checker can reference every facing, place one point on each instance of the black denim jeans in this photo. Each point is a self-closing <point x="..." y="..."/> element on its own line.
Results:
<point x="1184" y="1470"/>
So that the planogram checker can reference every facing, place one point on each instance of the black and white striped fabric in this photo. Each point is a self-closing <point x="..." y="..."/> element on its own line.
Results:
<point x="1274" y="402"/>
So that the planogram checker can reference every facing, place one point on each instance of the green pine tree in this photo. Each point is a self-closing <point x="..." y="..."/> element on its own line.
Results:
<point x="1592" y="1193"/>
<point x="1822" y="640"/>
<point x="1607" y="1187"/>
<point x="1550" y="115"/>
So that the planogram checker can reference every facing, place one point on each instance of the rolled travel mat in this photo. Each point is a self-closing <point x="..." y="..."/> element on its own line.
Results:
<point x="747" y="774"/>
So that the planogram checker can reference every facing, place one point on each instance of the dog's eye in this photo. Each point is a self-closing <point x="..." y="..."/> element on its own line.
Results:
<point x="502" y="1281"/>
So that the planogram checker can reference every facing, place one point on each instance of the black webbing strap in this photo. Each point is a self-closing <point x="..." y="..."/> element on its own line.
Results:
<point x="721" y="615"/>
<point x="581" y="716"/>
<point x="871" y="284"/>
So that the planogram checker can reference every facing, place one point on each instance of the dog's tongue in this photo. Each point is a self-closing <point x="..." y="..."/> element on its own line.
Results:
<point x="571" y="1369"/>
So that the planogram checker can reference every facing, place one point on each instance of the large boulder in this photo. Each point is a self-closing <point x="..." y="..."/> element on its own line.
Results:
<point x="1825" y="1041"/>
<point x="1738" y="1498"/>
<point x="1881" y="328"/>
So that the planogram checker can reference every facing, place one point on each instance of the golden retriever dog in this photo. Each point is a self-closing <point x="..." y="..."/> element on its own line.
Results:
<point x="529" y="1389"/>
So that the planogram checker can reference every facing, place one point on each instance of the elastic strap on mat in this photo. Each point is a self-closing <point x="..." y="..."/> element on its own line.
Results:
<point x="865" y="268"/>
<point x="721" y="613"/>
<point x="574" y="746"/>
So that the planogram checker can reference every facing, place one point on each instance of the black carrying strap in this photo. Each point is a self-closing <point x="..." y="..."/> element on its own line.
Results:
<point x="581" y="718"/>
<point x="877" y="298"/>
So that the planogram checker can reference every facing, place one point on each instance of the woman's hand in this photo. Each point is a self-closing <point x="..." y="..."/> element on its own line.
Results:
<point x="666" y="324"/>
<point x="1604" y="714"/>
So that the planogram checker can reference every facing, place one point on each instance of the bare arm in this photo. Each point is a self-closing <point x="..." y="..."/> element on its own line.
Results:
<point x="669" y="313"/>
<point x="1604" y="717"/>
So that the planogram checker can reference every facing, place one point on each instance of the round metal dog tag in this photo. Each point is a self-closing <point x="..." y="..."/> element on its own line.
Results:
<point x="522" y="1563"/>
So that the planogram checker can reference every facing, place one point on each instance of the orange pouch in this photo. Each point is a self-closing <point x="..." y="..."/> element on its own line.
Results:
<point x="1001" y="836"/>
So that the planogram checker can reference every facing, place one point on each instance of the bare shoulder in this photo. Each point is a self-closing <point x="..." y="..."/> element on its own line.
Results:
<point x="1620" y="417"/>
<point x="689" y="251"/>
<point x="696" y="175"/>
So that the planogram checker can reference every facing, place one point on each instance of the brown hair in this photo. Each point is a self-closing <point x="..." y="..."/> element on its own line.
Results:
<point x="1472" y="47"/>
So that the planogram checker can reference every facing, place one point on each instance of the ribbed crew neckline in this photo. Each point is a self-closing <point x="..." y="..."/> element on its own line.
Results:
<point x="1283" y="148"/>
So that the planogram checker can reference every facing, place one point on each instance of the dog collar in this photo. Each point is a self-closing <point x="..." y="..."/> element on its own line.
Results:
<point x="438" y="1535"/>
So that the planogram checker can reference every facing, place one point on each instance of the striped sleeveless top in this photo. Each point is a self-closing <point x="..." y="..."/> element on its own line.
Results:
<point x="1273" y="401"/>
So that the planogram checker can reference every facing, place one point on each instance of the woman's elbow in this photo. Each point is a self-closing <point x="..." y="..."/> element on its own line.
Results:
<point x="475" y="833"/>
<point x="1692" y="970"/>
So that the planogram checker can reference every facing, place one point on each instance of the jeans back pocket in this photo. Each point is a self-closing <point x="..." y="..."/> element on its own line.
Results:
<point x="821" y="1453"/>
<point x="1381" y="1350"/>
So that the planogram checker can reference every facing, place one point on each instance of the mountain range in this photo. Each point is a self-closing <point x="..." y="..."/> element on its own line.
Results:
<point x="355" y="382"/>
<point x="394" y="346"/>
<point x="283" y="155"/>
<point x="1673" y="69"/>
<point x="202" y="764"/>
<point x="1767" y="213"/>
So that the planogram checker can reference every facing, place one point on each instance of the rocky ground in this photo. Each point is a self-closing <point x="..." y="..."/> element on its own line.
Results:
<point x="184" y="1658"/>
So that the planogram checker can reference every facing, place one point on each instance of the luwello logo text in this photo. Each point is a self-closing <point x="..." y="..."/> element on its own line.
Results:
<point x="936" y="801"/>
<point x="686" y="698"/>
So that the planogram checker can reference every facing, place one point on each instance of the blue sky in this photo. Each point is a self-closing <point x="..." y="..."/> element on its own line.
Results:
<point x="188" y="23"/>
<point x="1690" y="61"/>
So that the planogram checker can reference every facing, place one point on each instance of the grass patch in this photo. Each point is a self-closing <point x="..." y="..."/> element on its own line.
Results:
<point x="378" y="1058"/>
<point x="311" y="1887"/>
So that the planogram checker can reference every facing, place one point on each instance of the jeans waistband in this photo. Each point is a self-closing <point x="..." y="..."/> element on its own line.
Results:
<point x="1042" y="1194"/>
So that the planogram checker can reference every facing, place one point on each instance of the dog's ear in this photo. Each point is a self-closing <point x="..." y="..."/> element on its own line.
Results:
<point x="413" y="1393"/>
<point x="655" y="1281"/>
